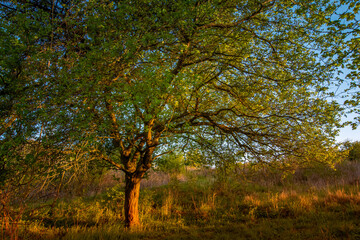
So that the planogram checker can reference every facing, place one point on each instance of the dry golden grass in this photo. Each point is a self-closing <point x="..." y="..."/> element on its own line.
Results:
<point x="201" y="206"/>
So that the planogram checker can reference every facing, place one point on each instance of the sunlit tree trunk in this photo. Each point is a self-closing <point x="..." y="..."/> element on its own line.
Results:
<point x="132" y="191"/>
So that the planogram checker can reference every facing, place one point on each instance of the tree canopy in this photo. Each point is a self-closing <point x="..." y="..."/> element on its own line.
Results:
<point x="137" y="79"/>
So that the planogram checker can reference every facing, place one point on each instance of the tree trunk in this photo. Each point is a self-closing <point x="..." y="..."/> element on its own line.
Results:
<point x="132" y="191"/>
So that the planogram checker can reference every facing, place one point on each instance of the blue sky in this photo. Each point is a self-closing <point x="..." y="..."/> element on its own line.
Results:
<point x="348" y="134"/>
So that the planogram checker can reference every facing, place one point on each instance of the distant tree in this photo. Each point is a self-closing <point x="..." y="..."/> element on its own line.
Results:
<point x="354" y="154"/>
<point x="138" y="79"/>
<point x="354" y="150"/>
<point x="173" y="162"/>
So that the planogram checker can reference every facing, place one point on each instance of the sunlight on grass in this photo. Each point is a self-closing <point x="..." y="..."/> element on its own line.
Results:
<point x="200" y="209"/>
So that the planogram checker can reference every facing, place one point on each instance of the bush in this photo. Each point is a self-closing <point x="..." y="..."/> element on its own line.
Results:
<point x="172" y="162"/>
<point x="354" y="150"/>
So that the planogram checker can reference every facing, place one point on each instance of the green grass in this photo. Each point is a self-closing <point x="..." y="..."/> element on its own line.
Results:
<point x="204" y="208"/>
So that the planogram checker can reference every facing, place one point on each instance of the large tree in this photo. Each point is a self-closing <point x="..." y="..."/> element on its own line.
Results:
<point x="136" y="79"/>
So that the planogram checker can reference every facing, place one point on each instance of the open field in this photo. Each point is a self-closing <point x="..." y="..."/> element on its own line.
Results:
<point x="199" y="204"/>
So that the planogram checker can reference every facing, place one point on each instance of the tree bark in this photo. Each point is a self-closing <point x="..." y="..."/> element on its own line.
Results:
<point x="132" y="191"/>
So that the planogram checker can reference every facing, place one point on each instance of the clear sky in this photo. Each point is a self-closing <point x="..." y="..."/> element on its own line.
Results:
<point x="348" y="134"/>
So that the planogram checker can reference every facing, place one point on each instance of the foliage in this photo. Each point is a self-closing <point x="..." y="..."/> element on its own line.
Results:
<point x="196" y="158"/>
<point x="353" y="149"/>
<point x="147" y="76"/>
<point x="173" y="162"/>
<point x="33" y="177"/>
<point x="348" y="58"/>
<point x="128" y="81"/>
<point x="354" y="153"/>
<point x="29" y="174"/>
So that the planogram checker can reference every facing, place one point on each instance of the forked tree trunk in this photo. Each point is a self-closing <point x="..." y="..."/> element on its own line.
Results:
<point x="132" y="191"/>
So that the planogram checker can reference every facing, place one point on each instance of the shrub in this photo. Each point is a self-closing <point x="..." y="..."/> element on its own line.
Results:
<point x="172" y="162"/>
<point x="354" y="150"/>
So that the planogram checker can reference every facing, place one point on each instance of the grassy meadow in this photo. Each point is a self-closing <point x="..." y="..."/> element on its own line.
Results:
<point x="317" y="203"/>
